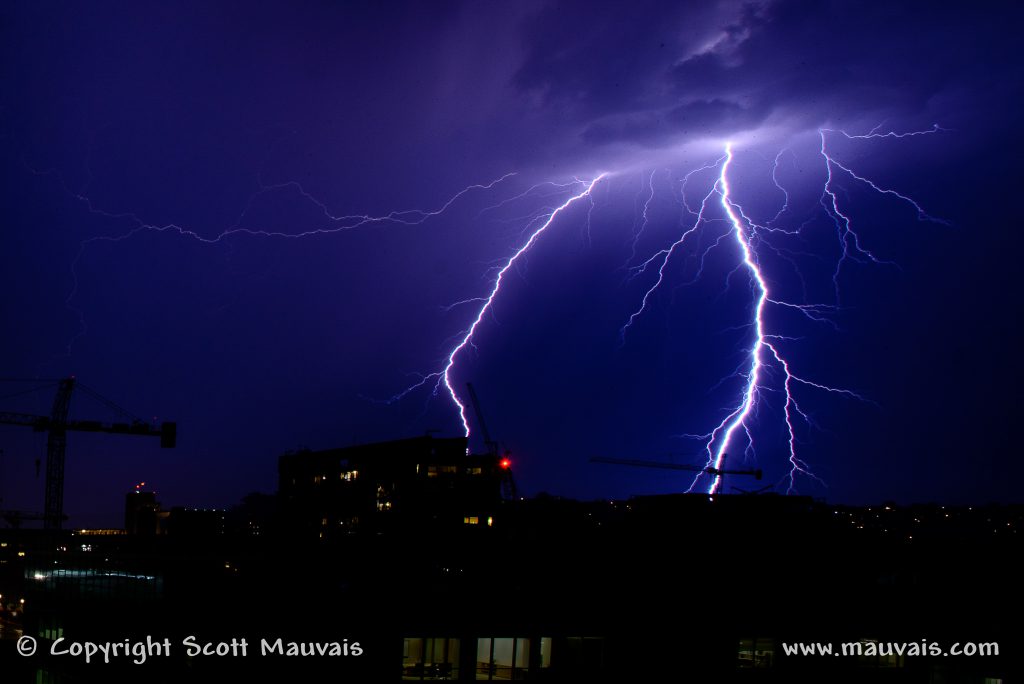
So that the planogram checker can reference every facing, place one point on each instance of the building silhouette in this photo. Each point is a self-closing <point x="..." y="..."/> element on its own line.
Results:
<point x="408" y="484"/>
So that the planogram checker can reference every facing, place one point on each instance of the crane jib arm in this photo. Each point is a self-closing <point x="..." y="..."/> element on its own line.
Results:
<point x="57" y="425"/>
<point x="167" y="432"/>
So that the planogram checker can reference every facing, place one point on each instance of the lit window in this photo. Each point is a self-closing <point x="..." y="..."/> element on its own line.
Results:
<point x="430" y="659"/>
<point x="756" y="653"/>
<point x="490" y="521"/>
<point x="471" y="520"/>
<point x="506" y="658"/>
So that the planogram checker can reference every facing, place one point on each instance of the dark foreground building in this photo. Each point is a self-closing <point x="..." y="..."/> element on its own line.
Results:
<point x="666" y="588"/>
<point x="408" y="484"/>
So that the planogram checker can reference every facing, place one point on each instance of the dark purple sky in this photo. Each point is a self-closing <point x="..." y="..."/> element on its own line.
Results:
<point x="170" y="123"/>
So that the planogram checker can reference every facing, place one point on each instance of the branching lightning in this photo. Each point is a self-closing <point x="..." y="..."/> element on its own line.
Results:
<point x="767" y="369"/>
<point x="719" y="222"/>
<point x="444" y="376"/>
<point x="849" y="240"/>
<point x="336" y="224"/>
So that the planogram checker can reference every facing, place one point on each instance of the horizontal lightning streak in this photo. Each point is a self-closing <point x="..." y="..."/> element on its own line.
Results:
<point x="407" y="217"/>
<point x="765" y="366"/>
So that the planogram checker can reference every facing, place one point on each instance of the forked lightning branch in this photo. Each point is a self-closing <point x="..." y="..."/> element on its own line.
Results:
<point x="767" y="369"/>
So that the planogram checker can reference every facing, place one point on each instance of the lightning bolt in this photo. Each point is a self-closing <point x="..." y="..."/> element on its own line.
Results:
<point x="722" y="435"/>
<point x="767" y="368"/>
<point x="537" y="224"/>
<point x="663" y="256"/>
<point x="637" y="234"/>
<point x="849" y="240"/>
<point x="335" y="224"/>
<point x="444" y="376"/>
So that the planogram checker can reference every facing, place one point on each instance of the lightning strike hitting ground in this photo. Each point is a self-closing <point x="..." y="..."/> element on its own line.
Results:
<point x="766" y="361"/>
<point x="537" y="223"/>
<point x="765" y="369"/>
<point x="444" y="376"/>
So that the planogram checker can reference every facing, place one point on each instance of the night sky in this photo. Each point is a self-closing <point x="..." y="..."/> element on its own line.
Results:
<point x="148" y="148"/>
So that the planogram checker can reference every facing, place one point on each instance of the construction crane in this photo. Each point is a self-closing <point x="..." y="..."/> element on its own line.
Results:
<point x="710" y="470"/>
<point x="15" y="518"/>
<point x="508" y="485"/>
<point x="57" y="426"/>
<point x="753" y="492"/>
<point x="492" y="446"/>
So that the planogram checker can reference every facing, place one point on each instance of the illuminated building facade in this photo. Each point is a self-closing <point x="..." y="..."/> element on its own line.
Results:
<point x="404" y="484"/>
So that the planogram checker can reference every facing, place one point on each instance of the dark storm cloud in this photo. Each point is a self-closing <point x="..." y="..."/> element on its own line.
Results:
<point x="641" y="72"/>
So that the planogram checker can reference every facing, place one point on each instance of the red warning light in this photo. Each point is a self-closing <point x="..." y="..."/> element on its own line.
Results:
<point x="505" y="463"/>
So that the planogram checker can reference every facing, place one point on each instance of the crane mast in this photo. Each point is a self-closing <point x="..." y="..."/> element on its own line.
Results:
<point x="491" y="445"/>
<point x="57" y="426"/>
<point x="56" y="448"/>
<point x="508" y="483"/>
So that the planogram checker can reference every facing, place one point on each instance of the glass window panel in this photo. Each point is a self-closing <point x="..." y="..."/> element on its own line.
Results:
<point x="522" y="658"/>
